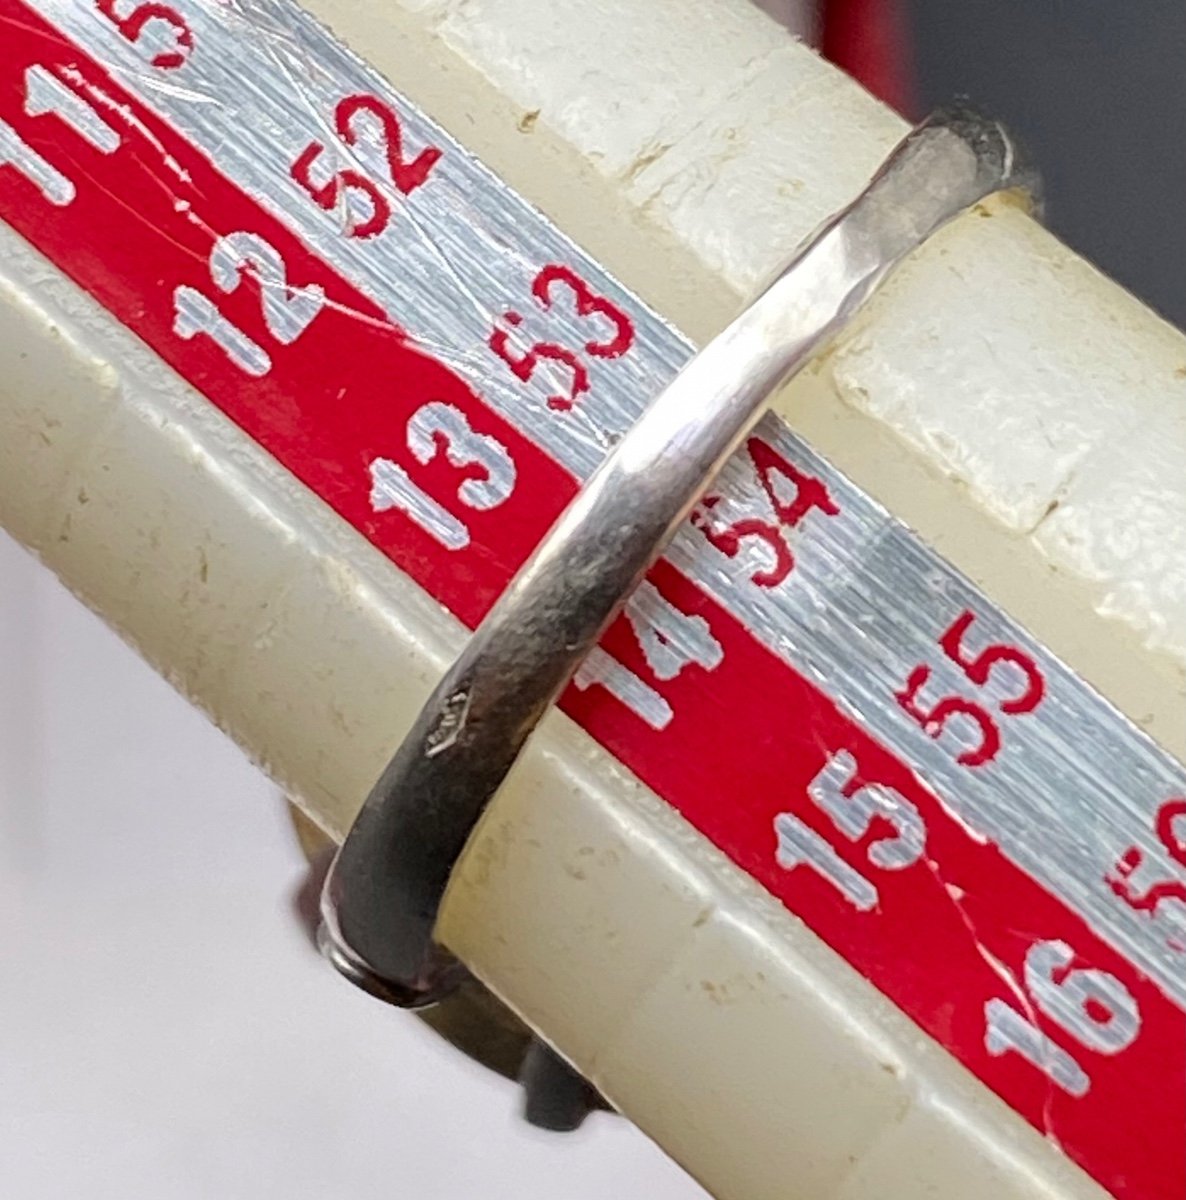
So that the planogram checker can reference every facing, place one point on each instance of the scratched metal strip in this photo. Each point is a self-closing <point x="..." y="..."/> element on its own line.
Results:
<point x="1079" y="784"/>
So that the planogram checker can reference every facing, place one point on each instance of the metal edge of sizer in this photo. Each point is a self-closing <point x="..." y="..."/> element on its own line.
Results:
<point x="384" y="888"/>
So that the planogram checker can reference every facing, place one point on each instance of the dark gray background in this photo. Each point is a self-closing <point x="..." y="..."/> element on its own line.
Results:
<point x="1097" y="88"/>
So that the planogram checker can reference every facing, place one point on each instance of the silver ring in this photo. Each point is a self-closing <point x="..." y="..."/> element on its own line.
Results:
<point x="385" y="887"/>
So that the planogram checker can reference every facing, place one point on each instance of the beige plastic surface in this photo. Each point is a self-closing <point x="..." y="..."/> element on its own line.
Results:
<point x="713" y="1017"/>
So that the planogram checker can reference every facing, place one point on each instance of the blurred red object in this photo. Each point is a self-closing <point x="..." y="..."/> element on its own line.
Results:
<point x="868" y="39"/>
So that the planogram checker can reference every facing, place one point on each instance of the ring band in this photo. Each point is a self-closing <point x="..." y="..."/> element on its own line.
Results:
<point x="383" y="892"/>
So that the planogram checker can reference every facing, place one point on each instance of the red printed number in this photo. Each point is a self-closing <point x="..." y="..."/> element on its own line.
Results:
<point x="777" y="477"/>
<point x="978" y="667"/>
<point x="1142" y="884"/>
<point x="351" y="118"/>
<point x="153" y="19"/>
<point x="611" y="333"/>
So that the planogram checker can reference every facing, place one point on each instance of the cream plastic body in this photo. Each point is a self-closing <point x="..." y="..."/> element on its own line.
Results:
<point x="713" y="1017"/>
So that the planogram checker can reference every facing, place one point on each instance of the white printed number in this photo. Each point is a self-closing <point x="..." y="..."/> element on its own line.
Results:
<point x="670" y="640"/>
<point x="852" y="810"/>
<point x="432" y="428"/>
<point x="287" y="311"/>
<point x="16" y="152"/>
<point x="47" y="95"/>
<point x="1093" y="1006"/>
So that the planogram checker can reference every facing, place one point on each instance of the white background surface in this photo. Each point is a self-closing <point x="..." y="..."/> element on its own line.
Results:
<point x="164" y="1030"/>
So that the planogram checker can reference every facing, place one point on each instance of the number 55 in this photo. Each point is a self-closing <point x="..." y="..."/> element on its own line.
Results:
<point x="978" y="667"/>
